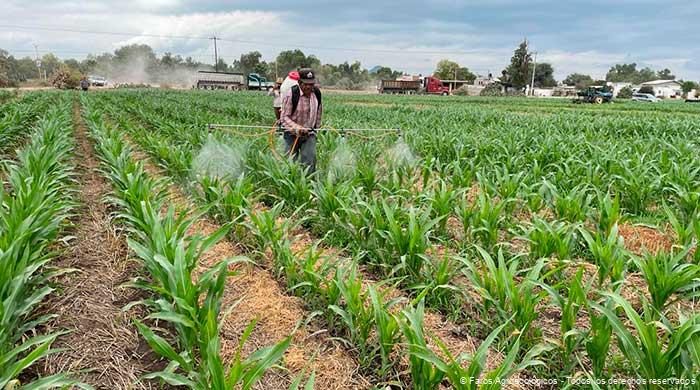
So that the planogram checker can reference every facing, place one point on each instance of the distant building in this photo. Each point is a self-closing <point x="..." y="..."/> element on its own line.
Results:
<point x="615" y="88"/>
<point x="665" y="88"/>
<point x="482" y="81"/>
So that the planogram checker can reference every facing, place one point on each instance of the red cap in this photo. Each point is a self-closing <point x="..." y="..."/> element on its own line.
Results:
<point x="294" y="75"/>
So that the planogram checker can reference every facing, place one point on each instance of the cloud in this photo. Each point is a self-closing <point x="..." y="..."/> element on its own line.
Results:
<point x="575" y="36"/>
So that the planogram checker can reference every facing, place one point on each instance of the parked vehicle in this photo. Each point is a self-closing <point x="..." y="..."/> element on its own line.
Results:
<point x="97" y="81"/>
<point x="429" y="85"/>
<point x="644" y="97"/>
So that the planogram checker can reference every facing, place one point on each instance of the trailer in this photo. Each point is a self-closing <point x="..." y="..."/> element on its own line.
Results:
<point x="219" y="80"/>
<point x="399" y="86"/>
<point x="429" y="85"/>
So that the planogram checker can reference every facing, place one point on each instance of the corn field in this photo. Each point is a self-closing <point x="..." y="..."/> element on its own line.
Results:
<point x="490" y="243"/>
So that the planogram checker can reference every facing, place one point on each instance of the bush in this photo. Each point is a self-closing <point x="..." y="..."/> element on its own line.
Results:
<point x="625" y="93"/>
<point x="5" y="81"/>
<point x="65" y="78"/>
<point x="492" y="90"/>
<point x="461" y="91"/>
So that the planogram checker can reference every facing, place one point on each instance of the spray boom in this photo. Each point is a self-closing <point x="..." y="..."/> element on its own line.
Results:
<point x="280" y="129"/>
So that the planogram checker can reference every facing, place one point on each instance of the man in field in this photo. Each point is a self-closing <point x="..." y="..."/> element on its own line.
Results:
<point x="301" y="116"/>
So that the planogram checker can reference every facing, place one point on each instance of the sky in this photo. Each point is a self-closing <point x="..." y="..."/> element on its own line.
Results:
<point x="574" y="36"/>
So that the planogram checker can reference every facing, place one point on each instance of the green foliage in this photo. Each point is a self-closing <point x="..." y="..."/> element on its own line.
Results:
<point x="450" y="70"/>
<point x="667" y="274"/>
<point x="625" y="93"/>
<point x="517" y="73"/>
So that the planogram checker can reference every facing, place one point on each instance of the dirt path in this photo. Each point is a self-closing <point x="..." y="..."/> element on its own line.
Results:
<point x="103" y="340"/>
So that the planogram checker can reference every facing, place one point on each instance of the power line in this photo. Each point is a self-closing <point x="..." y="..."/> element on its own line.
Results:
<point x="252" y="42"/>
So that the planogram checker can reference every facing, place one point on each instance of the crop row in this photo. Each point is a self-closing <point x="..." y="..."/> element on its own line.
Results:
<point x="35" y="204"/>
<point x="189" y="306"/>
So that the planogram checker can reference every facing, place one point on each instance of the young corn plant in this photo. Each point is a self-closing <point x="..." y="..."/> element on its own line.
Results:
<point x="684" y="229"/>
<point x="503" y="287"/>
<point x="407" y="241"/>
<point x="441" y="202"/>
<point x="608" y="213"/>
<point x="668" y="274"/>
<point x="355" y="316"/>
<point x="439" y="286"/>
<point x="226" y="201"/>
<point x="330" y="196"/>
<point x="428" y="369"/>
<point x="482" y="220"/>
<point x="658" y="348"/>
<point x="574" y="205"/>
<point x="598" y="340"/>
<point x="548" y="239"/>
<point x="572" y="338"/>
<point x="288" y="181"/>
<point x="608" y="253"/>
<point x="388" y="332"/>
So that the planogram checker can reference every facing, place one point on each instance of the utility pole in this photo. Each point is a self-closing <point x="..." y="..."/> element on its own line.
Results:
<point x="216" y="54"/>
<point x="534" y="68"/>
<point x="38" y="61"/>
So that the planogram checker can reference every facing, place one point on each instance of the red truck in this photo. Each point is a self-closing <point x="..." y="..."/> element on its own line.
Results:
<point x="430" y="85"/>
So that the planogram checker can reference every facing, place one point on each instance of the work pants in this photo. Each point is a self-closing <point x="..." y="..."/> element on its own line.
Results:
<point x="304" y="149"/>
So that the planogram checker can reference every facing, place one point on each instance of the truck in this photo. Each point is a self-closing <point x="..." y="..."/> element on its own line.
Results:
<point x="259" y="83"/>
<point x="594" y="94"/>
<point x="219" y="80"/>
<point x="430" y="85"/>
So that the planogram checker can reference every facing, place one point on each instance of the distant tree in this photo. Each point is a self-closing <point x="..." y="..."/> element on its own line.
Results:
<point x="133" y="52"/>
<point x="622" y="73"/>
<point x="249" y="62"/>
<point x="625" y="93"/>
<point x="629" y="73"/>
<point x="448" y="70"/>
<point x="665" y="74"/>
<point x="72" y="64"/>
<point x="386" y="73"/>
<point x="578" y="80"/>
<point x="687" y="86"/>
<point x="646" y="74"/>
<point x="222" y="66"/>
<point x="50" y="63"/>
<point x="289" y="60"/>
<point x="544" y="75"/>
<point x="516" y="73"/>
<point x="25" y="69"/>
<point x="647" y="89"/>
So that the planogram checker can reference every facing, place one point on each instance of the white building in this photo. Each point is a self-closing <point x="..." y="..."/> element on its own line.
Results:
<point x="482" y="81"/>
<point x="616" y="87"/>
<point x="665" y="88"/>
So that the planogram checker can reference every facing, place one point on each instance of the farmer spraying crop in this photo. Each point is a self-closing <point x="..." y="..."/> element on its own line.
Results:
<point x="300" y="117"/>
